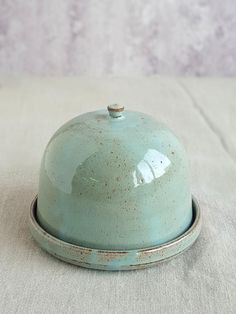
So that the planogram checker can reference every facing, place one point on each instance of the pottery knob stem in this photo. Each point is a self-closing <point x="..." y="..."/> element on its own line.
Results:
<point x="115" y="111"/>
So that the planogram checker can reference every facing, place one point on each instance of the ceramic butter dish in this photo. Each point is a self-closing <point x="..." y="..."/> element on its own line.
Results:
<point x="114" y="193"/>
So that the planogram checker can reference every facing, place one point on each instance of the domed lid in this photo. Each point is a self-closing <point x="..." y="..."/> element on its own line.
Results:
<point x="116" y="182"/>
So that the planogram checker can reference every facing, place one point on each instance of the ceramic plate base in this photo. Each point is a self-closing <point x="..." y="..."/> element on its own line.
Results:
<point x="114" y="260"/>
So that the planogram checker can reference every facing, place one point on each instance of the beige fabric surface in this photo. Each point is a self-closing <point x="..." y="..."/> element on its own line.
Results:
<point x="202" y="112"/>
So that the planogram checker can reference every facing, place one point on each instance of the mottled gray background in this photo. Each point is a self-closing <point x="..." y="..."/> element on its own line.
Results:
<point x="120" y="37"/>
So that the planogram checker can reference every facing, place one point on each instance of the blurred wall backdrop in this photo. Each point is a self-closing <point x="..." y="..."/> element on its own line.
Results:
<point x="119" y="37"/>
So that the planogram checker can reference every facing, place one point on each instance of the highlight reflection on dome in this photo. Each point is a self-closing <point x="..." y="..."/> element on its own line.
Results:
<point x="153" y="165"/>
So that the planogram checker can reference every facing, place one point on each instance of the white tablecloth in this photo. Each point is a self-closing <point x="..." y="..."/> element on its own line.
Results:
<point x="203" y="114"/>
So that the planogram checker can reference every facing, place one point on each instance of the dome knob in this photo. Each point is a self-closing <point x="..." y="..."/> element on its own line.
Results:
<point x="115" y="110"/>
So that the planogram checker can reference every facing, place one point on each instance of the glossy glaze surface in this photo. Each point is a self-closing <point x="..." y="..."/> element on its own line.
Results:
<point x="114" y="183"/>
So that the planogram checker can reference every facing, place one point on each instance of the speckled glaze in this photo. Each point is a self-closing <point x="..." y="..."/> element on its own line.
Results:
<point x="116" y="182"/>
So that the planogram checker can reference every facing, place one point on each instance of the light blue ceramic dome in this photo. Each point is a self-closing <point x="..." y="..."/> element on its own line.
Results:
<point x="114" y="182"/>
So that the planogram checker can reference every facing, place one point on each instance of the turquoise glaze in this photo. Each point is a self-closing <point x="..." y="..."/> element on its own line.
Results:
<point x="114" y="182"/>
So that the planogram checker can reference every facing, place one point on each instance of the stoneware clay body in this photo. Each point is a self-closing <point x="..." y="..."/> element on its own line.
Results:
<point x="114" y="193"/>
